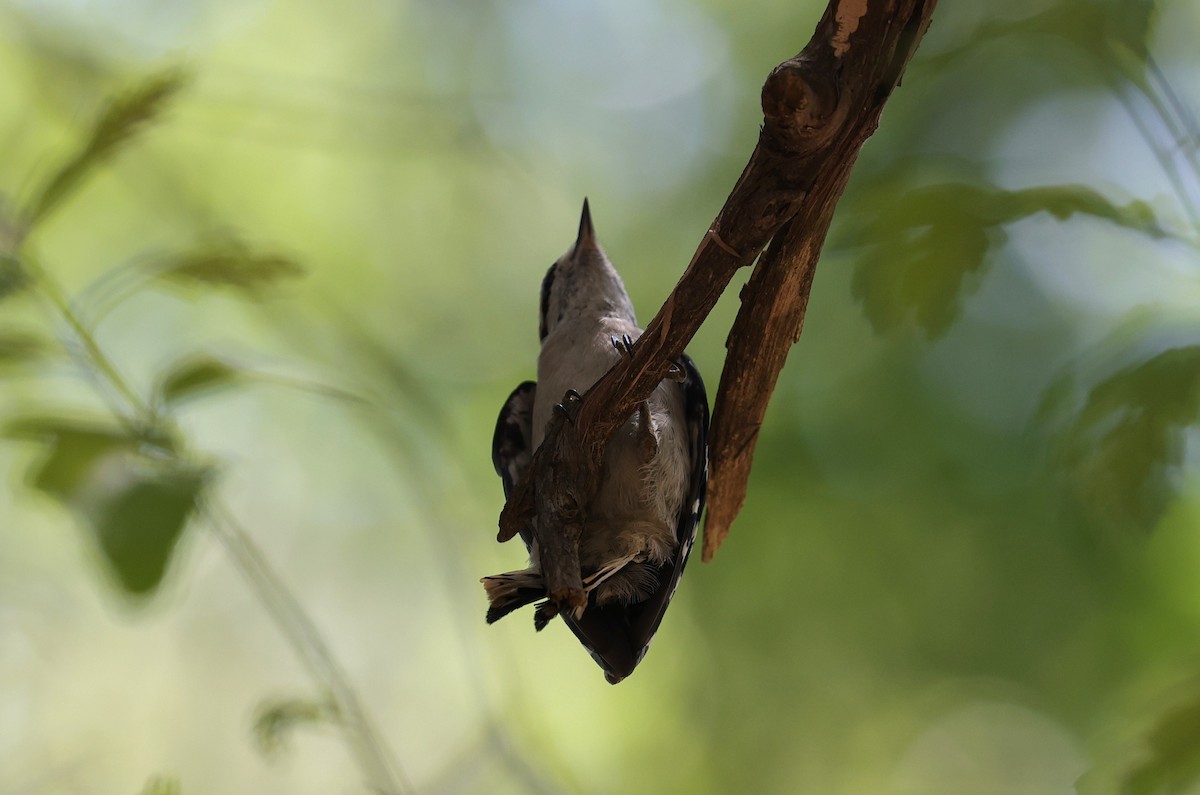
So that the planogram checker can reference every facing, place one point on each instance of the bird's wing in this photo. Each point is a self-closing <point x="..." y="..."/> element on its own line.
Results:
<point x="512" y="442"/>
<point x="618" y="636"/>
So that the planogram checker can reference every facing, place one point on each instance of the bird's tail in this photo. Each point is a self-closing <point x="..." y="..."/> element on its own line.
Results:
<point x="511" y="590"/>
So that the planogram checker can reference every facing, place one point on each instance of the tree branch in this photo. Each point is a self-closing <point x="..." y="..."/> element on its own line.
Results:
<point x="819" y="108"/>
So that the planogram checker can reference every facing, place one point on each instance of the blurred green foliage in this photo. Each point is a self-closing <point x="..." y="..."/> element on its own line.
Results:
<point x="294" y="287"/>
<point x="161" y="785"/>
<point x="922" y="247"/>
<point x="134" y="504"/>
<point x="277" y="719"/>
<point x="1173" y="764"/>
<point x="116" y="125"/>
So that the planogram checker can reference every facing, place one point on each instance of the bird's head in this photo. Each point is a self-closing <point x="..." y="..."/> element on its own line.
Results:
<point x="583" y="284"/>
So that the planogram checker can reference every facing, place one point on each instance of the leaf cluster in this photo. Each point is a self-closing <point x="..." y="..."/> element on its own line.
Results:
<point x="128" y="478"/>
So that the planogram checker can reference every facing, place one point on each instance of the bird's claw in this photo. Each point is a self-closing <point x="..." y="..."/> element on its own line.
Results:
<point x="624" y="344"/>
<point x="569" y="406"/>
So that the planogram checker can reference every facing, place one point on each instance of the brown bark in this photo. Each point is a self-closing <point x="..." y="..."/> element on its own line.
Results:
<point x="819" y="108"/>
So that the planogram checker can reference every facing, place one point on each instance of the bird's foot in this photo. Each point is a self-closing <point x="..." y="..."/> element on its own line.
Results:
<point x="569" y="407"/>
<point x="623" y="344"/>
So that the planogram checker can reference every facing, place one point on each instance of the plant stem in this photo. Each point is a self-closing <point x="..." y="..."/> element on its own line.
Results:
<point x="380" y="769"/>
<point x="53" y="291"/>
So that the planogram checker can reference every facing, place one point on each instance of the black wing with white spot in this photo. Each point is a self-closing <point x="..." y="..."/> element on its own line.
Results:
<point x="618" y="636"/>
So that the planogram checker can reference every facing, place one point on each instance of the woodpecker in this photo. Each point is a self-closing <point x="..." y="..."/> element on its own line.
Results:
<point x="640" y="526"/>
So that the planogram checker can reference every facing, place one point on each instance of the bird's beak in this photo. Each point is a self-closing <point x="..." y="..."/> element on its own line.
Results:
<point x="587" y="235"/>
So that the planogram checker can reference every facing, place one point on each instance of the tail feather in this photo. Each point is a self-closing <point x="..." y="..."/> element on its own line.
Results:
<point x="512" y="590"/>
<point x="546" y="611"/>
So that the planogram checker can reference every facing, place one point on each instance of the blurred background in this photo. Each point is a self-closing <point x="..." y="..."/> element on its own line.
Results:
<point x="268" y="270"/>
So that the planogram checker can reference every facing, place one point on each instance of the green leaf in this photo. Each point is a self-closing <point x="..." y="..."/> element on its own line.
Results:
<point x="1173" y="763"/>
<point x="13" y="278"/>
<point x="276" y="719"/>
<point x="1123" y="452"/>
<point x="921" y="248"/>
<point x="73" y="450"/>
<point x="121" y="119"/>
<point x="134" y="504"/>
<point x="195" y="376"/>
<point x="1065" y="201"/>
<point x="230" y="263"/>
<point x="139" y="525"/>
<point x="1166" y="386"/>
<point x="925" y="279"/>
<point x="1164" y="759"/>
<point x="21" y="347"/>
<point x="1057" y="400"/>
<point x="162" y="785"/>
<point x="1095" y="29"/>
